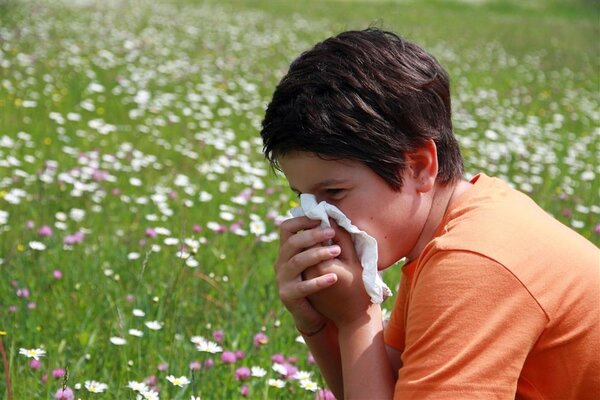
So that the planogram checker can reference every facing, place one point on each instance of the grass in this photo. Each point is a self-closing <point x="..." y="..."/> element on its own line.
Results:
<point x="136" y="125"/>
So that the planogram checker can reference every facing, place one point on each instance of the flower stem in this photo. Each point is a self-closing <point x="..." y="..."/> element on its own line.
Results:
<point x="6" y="370"/>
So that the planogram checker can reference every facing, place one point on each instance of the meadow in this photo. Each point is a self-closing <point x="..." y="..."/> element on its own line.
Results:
<point x="139" y="219"/>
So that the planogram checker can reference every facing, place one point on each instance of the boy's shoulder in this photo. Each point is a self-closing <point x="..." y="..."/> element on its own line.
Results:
<point x="495" y="222"/>
<point x="501" y="223"/>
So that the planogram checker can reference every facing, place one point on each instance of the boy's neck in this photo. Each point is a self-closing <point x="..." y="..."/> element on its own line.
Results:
<point x="443" y="197"/>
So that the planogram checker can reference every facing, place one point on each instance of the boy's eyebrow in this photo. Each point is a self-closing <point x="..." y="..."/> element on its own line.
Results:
<point x="327" y="182"/>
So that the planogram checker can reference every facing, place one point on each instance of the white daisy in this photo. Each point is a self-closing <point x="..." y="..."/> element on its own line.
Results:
<point x="192" y="262"/>
<point x="33" y="353"/>
<point x="182" y="254"/>
<point x="138" y="313"/>
<point x="118" y="341"/>
<point x="35" y="245"/>
<point x="136" y="332"/>
<point x="162" y="231"/>
<point x="77" y="214"/>
<point x="309" y="385"/>
<point x="171" y="241"/>
<point x="205" y="196"/>
<point x="209" y="347"/>
<point x="278" y="383"/>
<point x="197" y="339"/>
<point x="154" y="325"/>
<point x="257" y="227"/>
<point x="3" y="217"/>
<point x="279" y="368"/>
<point x="258" y="372"/>
<point x="135" y="181"/>
<point x="95" y="387"/>
<point x="181" y="381"/>
<point x="147" y="395"/>
<point x="302" y="375"/>
<point x="137" y="386"/>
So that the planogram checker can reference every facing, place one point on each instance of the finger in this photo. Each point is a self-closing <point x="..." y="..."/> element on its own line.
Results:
<point x="308" y="258"/>
<point x="311" y="286"/>
<point x="303" y="240"/>
<point x="292" y="226"/>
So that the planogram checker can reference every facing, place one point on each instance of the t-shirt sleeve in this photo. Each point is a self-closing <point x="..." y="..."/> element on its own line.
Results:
<point x="470" y="325"/>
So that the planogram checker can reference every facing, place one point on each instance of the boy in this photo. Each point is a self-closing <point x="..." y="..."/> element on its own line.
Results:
<point x="497" y="299"/>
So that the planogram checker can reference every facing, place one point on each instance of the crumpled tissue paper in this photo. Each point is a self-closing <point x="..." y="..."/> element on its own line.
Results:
<point x="365" y="244"/>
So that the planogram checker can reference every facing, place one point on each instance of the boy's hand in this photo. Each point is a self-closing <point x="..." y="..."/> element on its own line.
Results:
<point x="347" y="300"/>
<point x="300" y="248"/>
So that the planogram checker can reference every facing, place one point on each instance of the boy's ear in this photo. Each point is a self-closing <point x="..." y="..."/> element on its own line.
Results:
<point x="423" y="166"/>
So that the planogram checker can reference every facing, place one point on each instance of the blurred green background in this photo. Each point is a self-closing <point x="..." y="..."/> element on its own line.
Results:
<point x="130" y="162"/>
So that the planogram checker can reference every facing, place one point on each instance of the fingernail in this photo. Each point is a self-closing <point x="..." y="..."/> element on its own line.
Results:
<point x="335" y="250"/>
<point x="329" y="232"/>
<point x="331" y="278"/>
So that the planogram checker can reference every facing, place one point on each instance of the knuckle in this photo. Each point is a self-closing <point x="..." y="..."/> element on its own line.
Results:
<point x="278" y="278"/>
<point x="279" y="270"/>
<point x="284" y="291"/>
<point x="286" y="225"/>
<point x="304" y="289"/>
<point x="293" y="263"/>
<point x="281" y="293"/>
<point x="293" y="241"/>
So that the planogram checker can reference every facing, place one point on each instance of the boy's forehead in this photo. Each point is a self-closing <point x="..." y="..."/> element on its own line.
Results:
<point x="304" y="163"/>
<point x="314" y="159"/>
<point x="308" y="171"/>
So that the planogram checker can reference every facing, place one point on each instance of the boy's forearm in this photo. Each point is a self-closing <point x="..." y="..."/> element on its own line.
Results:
<point x="326" y="352"/>
<point x="365" y="364"/>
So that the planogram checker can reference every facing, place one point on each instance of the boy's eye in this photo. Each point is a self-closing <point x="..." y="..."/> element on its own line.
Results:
<point x="334" y="192"/>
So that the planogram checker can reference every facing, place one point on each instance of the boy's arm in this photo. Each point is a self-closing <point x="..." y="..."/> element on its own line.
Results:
<point x="366" y="368"/>
<point x="325" y="349"/>
<point x="395" y="360"/>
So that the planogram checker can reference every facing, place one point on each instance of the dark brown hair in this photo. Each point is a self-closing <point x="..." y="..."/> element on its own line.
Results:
<point x="369" y="96"/>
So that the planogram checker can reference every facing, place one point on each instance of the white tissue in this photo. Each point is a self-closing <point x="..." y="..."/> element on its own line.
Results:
<point x="365" y="244"/>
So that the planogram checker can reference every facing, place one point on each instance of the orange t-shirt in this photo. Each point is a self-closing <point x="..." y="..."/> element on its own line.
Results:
<point x="503" y="303"/>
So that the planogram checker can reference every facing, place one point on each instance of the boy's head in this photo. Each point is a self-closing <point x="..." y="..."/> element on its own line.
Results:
<point x="368" y="96"/>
